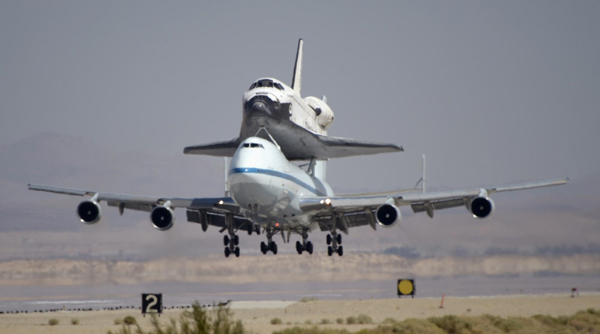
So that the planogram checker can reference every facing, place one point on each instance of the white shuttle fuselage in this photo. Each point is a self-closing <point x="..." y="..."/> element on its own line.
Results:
<point x="298" y="125"/>
<point x="270" y="102"/>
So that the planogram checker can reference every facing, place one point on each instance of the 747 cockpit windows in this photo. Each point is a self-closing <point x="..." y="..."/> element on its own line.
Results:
<point x="253" y="145"/>
<point x="266" y="83"/>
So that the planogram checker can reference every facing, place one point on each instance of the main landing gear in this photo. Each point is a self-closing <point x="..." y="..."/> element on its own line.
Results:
<point x="231" y="241"/>
<point x="231" y="245"/>
<point x="334" y="240"/>
<point x="270" y="245"/>
<point x="305" y="245"/>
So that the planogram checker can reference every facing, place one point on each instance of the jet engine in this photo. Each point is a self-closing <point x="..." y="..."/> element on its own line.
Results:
<point x="388" y="215"/>
<point x="481" y="207"/>
<point x="323" y="113"/>
<point x="162" y="217"/>
<point x="89" y="212"/>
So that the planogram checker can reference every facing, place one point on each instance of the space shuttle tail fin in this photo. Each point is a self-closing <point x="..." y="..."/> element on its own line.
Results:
<point x="297" y="78"/>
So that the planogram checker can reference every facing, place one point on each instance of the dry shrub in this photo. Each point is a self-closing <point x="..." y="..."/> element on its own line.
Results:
<point x="582" y="322"/>
<point x="53" y="322"/>
<point x="194" y="321"/>
<point x="364" y="319"/>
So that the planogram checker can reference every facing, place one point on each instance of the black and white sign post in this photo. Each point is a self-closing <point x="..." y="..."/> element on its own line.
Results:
<point x="152" y="303"/>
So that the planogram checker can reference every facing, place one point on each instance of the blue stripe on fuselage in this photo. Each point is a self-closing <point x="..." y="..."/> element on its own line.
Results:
<point x="277" y="174"/>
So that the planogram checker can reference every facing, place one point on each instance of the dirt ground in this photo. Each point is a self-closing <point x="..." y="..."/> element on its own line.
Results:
<point x="257" y="316"/>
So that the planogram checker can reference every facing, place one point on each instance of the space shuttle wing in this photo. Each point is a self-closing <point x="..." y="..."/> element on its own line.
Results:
<point x="219" y="149"/>
<point x="298" y="143"/>
<point x="337" y="147"/>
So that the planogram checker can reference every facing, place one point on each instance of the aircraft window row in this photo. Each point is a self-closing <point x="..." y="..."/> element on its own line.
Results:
<point x="253" y="145"/>
<point x="266" y="83"/>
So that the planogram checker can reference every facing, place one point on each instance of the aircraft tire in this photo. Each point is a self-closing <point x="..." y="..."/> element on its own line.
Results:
<point x="309" y="247"/>
<point x="263" y="247"/>
<point x="237" y="252"/>
<point x="329" y="251"/>
<point x="340" y="251"/>
<point x="299" y="247"/>
<point x="227" y="251"/>
<point x="273" y="248"/>
<point x="226" y="240"/>
<point x="339" y="239"/>
<point x="236" y="240"/>
<point x="250" y="231"/>
<point x="329" y="239"/>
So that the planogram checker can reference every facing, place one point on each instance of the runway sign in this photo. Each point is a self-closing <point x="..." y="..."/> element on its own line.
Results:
<point x="406" y="287"/>
<point x="151" y="303"/>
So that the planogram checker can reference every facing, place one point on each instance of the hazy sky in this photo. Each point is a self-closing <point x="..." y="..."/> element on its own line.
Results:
<point x="492" y="92"/>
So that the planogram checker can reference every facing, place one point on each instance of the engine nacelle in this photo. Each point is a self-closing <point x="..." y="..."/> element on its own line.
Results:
<point x="481" y="207"/>
<point x="89" y="212"/>
<point x="162" y="217"/>
<point x="388" y="215"/>
<point x="323" y="113"/>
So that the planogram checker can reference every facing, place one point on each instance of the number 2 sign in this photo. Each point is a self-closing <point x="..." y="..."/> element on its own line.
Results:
<point x="151" y="303"/>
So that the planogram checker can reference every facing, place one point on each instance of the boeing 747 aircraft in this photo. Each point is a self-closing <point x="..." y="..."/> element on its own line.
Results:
<point x="273" y="195"/>
<point x="268" y="193"/>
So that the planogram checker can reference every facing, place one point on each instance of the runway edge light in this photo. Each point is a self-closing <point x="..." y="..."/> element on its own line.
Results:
<point x="406" y="287"/>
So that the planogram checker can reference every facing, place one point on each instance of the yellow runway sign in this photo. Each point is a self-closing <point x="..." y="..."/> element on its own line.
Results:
<point x="406" y="287"/>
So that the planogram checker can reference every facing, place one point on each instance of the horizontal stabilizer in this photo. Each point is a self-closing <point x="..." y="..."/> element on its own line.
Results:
<point x="218" y="149"/>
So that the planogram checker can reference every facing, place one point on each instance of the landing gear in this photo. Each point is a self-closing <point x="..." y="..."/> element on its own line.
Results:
<point x="305" y="245"/>
<point x="335" y="241"/>
<point x="270" y="245"/>
<point x="232" y="240"/>
<point x="263" y="247"/>
<point x="273" y="247"/>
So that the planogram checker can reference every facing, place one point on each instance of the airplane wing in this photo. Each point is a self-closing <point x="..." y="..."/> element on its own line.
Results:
<point x="219" y="149"/>
<point x="204" y="211"/>
<point x="344" y="212"/>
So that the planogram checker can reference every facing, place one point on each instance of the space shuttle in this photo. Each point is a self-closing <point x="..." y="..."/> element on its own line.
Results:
<point x="297" y="125"/>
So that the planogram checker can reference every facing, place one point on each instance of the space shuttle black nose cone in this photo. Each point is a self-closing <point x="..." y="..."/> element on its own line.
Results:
<point x="260" y="106"/>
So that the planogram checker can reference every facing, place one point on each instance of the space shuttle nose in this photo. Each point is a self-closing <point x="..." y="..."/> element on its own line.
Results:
<point x="259" y="106"/>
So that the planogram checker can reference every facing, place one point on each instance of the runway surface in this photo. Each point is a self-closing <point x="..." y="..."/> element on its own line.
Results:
<point x="31" y="298"/>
